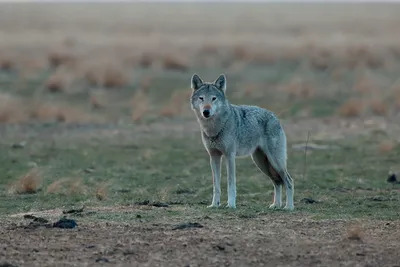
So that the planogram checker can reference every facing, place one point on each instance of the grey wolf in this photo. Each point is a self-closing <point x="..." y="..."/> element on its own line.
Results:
<point x="239" y="131"/>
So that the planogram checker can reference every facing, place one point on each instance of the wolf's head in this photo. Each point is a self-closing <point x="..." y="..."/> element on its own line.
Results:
<point x="208" y="98"/>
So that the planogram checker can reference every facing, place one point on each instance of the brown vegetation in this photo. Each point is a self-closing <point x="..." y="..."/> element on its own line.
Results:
<point x="355" y="232"/>
<point x="176" y="104"/>
<point x="386" y="146"/>
<point x="29" y="183"/>
<point x="352" y="108"/>
<point x="378" y="107"/>
<point x="140" y="105"/>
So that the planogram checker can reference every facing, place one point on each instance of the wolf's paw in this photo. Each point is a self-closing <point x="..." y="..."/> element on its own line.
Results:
<point x="230" y="206"/>
<point x="274" y="206"/>
<point x="289" y="208"/>
<point x="213" y="206"/>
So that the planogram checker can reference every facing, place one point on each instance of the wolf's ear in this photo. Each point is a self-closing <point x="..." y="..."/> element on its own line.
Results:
<point x="220" y="83"/>
<point x="196" y="82"/>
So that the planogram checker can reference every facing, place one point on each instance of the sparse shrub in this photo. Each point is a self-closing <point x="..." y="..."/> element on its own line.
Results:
<point x="95" y="103"/>
<point x="28" y="183"/>
<point x="55" y="84"/>
<point x="114" y="77"/>
<point x="386" y="146"/>
<point x="59" y="57"/>
<point x="176" y="103"/>
<point x="56" y="187"/>
<point x="6" y="64"/>
<point x="92" y="77"/>
<point x="298" y="89"/>
<point x="352" y="108"/>
<point x="364" y="85"/>
<point x="172" y="63"/>
<point x="101" y="192"/>
<point x="355" y="233"/>
<point x="140" y="105"/>
<point x="378" y="107"/>
<point x="67" y="186"/>
<point x="146" y="60"/>
<point x="76" y="187"/>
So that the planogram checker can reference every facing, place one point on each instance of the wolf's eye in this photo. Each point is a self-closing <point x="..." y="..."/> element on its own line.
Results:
<point x="201" y="98"/>
<point x="214" y="98"/>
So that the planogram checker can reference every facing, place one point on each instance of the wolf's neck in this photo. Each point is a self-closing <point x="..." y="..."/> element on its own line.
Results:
<point x="212" y="127"/>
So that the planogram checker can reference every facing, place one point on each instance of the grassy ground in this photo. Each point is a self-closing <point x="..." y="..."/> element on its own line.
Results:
<point x="95" y="113"/>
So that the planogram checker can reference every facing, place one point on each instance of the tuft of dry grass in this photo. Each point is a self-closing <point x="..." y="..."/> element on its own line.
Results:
<point x="76" y="187"/>
<point x="95" y="103"/>
<point x="378" y="107"/>
<point x="58" y="57"/>
<point x="60" y="113"/>
<point x="6" y="64"/>
<point x="55" y="83"/>
<point x="101" y="192"/>
<point x="114" y="77"/>
<point x="176" y="104"/>
<point x="298" y="88"/>
<point x="352" y="108"/>
<point x="11" y="109"/>
<point x="67" y="186"/>
<point x="355" y="232"/>
<point x="29" y="183"/>
<point x="106" y="74"/>
<point x="172" y="63"/>
<point x="140" y="105"/>
<point x="146" y="60"/>
<point x="386" y="146"/>
<point x="56" y="187"/>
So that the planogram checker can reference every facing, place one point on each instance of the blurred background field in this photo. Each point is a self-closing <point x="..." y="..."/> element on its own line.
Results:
<point x="132" y="62"/>
<point x="94" y="113"/>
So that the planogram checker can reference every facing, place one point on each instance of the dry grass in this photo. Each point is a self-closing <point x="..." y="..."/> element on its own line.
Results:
<point x="102" y="192"/>
<point x="386" y="146"/>
<point x="56" y="83"/>
<point x="140" y="105"/>
<point x="174" y="63"/>
<point x="68" y="186"/>
<point x="176" y="104"/>
<point x="365" y="85"/>
<point x="56" y="187"/>
<point x="298" y="88"/>
<point x="29" y="183"/>
<point x="6" y="64"/>
<point x="11" y="109"/>
<point x="378" y="107"/>
<point x="59" y="57"/>
<point x="106" y="74"/>
<point x="114" y="77"/>
<point x="77" y="187"/>
<point x="355" y="232"/>
<point x="352" y="108"/>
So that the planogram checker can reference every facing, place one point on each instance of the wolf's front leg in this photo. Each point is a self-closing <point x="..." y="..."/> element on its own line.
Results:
<point x="215" y="162"/>
<point x="231" y="170"/>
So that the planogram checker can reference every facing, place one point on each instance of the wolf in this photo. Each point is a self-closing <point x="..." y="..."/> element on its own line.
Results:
<point x="239" y="131"/>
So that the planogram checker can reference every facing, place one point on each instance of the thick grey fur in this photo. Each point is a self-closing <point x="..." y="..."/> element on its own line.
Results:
<point x="238" y="131"/>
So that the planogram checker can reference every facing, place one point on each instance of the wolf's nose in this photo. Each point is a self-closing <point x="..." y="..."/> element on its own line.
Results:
<point x="206" y="113"/>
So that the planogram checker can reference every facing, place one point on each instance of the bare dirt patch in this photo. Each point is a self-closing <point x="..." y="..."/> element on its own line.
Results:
<point x="273" y="240"/>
